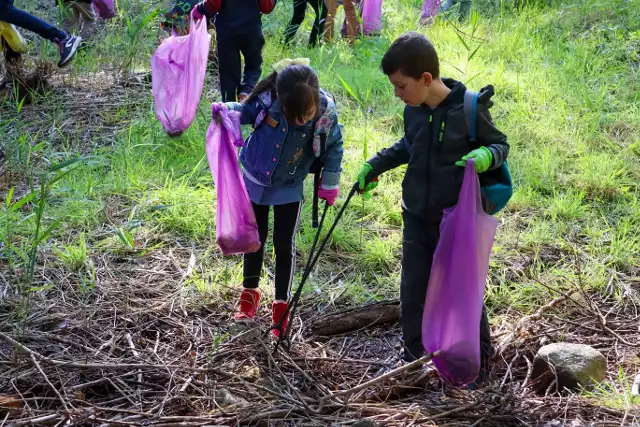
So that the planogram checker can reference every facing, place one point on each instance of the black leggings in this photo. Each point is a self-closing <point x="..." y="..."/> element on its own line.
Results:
<point x="285" y="228"/>
<point x="299" y="10"/>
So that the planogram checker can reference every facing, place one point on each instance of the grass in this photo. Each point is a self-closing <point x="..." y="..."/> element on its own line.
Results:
<point x="568" y="98"/>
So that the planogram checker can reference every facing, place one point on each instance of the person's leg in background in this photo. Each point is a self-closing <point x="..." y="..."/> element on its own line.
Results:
<point x="79" y="16"/>
<point x="67" y="44"/>
<point x="251" y="45"/>
<point x="318" y="24"/>
<point x="229" y="64"/>
<point x="299" y="10"/>
<point x="330" y="22"/>
<point x="352" y="20"/>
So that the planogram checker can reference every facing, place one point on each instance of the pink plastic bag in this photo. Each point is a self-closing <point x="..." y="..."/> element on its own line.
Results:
<point x="178" y="69"/>
<point x="236" y="227"/>
<point x="453" y="306"/>
<point x="105" y="9"/>
<point x="429" y="11"/>
<point x="372" y="16"/>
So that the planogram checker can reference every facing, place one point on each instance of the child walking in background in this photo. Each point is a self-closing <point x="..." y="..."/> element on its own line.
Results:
<point x="294" y="124"/>
<point x="67" y="43"/>
<point x="435" y="146"/>
<point x="238" y="31"/>
<point x="351" y="19"/>
<point x="299" y="11"/>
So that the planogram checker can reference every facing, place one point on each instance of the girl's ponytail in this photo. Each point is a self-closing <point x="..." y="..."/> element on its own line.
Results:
<point x="268" y="84"/>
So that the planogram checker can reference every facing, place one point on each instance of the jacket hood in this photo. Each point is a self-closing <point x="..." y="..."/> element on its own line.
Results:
<point x="457" y="93"/>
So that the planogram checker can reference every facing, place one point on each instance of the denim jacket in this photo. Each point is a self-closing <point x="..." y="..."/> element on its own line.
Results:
<point x="279" y="154"/>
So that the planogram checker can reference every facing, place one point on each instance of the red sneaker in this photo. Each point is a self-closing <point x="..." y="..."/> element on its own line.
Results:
<point x="278" y="310"/>
<point x="249" y="302"/>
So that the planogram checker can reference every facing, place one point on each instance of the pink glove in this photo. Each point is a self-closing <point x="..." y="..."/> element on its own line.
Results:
<point x="329" y="196"/>
<point x="195" y="13"/>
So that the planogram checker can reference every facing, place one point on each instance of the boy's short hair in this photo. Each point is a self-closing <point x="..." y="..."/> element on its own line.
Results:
<point x="413" y="55"/>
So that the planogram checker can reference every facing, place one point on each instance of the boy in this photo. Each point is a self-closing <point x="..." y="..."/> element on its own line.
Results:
<point x="435" y="146"/>
<point x="67" y="43"/>
<point x="238" y="30"/>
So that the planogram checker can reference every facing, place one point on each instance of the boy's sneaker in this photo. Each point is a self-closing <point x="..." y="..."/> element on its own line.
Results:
<point x="278" y="310"/>
<point x="249" y="302"/>
<point x="68" y="49"/>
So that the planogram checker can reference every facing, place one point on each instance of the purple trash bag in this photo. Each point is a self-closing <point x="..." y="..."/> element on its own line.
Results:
<point x="372" y="16"/>
<point x="106" y="9"/>
<point x="236" y="227"/>
<point x="178" y="69"/>
<point x="453" y="306"/>
<point x="429" y="11"/>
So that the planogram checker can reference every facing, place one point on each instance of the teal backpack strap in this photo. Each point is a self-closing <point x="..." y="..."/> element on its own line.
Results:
<point x="471" y="113"/>
<point x="495" y="195"/>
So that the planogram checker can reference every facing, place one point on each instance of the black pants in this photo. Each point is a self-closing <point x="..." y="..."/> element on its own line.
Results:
<point x="18" y="17"/>
<point x="230" y="44"/>
<point x="299" y="11"/>
<point x="285" y="227"/>
<point x="419" y="243"/>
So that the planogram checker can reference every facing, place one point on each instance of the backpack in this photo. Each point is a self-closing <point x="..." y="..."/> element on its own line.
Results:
<point x="497" y="185"/>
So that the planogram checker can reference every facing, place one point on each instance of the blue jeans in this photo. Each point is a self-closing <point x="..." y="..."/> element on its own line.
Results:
<point x="12" y="15"/>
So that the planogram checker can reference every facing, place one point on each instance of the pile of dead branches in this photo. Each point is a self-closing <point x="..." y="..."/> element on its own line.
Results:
<point x="141" y="349"/>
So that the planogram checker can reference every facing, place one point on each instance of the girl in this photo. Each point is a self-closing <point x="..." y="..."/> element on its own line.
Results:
<point x="299" y="11"/>
<point x="238" y="31"/>
<point x="291" y="118"/>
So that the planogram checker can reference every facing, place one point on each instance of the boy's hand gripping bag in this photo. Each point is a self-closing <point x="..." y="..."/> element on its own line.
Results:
<point x="453" y="306"/>
<point x="236" y="226"/>
<point x="106" y="9"/>
<point x="178" y="69"/>
<point x="372" y="16"/>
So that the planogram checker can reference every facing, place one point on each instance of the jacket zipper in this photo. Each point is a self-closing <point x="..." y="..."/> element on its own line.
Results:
<point x="430" y="131"/>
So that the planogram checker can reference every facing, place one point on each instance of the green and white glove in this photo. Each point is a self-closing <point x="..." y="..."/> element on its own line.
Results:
<point x="364" y="186"/>
<point x="482" y="158"/>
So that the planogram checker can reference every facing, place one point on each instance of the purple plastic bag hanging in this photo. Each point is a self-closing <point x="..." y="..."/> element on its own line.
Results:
<point x="105" y="9"/>
<point x="178" y="69"/>
<point x="372" y="16"/>
<point x="236" y="227"/>
<point x="453" y="307"/>
<point x="429" y="11"/>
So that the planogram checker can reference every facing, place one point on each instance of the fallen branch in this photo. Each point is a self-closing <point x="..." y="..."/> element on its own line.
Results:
<point x="352" y="319"/>
<point x="424" y="359"/>
<point x="46" y="378"/>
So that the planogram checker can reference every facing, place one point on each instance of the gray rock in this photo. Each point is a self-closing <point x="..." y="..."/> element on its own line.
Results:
<point x="224" y="398"/>
<point x="574" y="364"/>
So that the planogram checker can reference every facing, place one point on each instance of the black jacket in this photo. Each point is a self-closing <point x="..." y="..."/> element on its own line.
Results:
<point x="237" y="16"/>
<point x="434" y="140"/>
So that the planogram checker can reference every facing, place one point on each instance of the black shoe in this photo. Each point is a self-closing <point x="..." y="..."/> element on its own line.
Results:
<point x="68" y="49"/>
